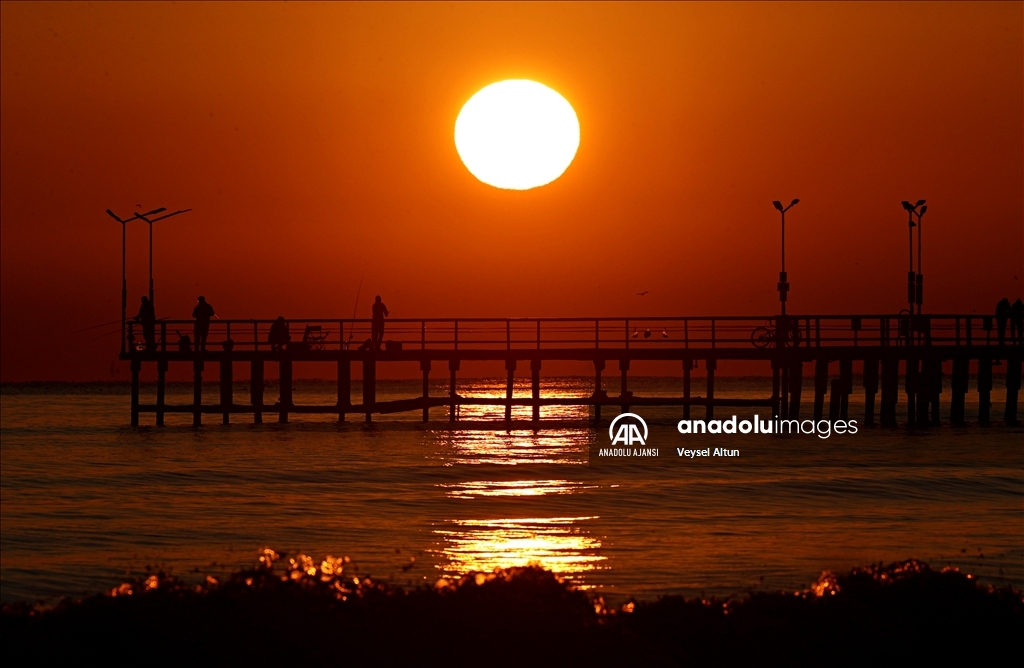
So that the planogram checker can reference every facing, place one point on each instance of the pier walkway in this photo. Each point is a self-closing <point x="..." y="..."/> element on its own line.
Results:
<point x="883" y="347"/>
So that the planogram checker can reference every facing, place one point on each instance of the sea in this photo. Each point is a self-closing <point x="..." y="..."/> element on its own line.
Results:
<point x="88" y="502"/>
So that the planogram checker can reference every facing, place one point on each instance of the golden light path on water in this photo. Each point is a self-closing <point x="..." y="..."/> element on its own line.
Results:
<point x="562" y="544"/>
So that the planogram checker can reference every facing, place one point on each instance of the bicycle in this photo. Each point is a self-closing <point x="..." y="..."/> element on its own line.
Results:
<point x="765" y="336"/>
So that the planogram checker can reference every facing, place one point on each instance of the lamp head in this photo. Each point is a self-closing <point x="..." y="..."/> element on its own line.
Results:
<point x="796" y="201"/>
<point x="777" y="204"/>
<point x="923" y="209"/>
<point x="907" y="205"/>
<point x="114" y="216"/>
<point x="919" y="203"/>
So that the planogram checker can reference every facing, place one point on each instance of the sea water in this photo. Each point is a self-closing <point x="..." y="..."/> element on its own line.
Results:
<point x="87" y="501"/>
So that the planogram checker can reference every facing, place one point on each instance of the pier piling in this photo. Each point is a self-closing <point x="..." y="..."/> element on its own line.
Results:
<point x="796" y="388"/>
<point x="687" y="367"/>
<point x="510" y="379"/>
<point x="256" y="383"/>
<point x="453" y="368"/>
<point x="820" y="387"/>
<point x="425" y="368"/>
<point x="535" y="386"/>
<point x="958" y="383"/>
<point x="985" y="390"/>
<point x="890" y="390"/>
<point x="1013" y="364"/>
<point x="285" y="400"/>
<point x="136" y="366"/>
<point x="846" y="386"/>
<point x="869" y="378"/>
<point x="197" y="393"/>
<point x="835" y="401"/>
<point x="161" y="391"/>
<point x="344" y="387"/>
<point x="598" y="389"/>
<point x="624" y="392"/>
<point x="709" y="410"/>
<point x="226" y="387"/>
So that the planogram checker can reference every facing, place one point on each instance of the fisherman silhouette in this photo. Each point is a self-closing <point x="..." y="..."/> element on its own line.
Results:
<point x="203" y="312"/>
<point x="380" y="311"/>
<point x="1017" y="322"/>
<point x="279" y="335"/>
<point x="1002" y="315"/>
<point x="147" y="317"/>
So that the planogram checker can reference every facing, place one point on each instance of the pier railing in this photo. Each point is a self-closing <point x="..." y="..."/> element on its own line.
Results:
<point x="650" y="333"/>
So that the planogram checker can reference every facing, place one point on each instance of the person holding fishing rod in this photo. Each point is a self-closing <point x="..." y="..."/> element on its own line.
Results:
<point x="147" y="318"/>
<point x="380" y="311"/>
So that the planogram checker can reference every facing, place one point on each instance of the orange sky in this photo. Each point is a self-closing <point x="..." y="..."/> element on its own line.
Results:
<point x="315" y="144"/>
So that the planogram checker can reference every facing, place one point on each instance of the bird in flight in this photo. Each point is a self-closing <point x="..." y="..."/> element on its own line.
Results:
<point x="641" y="294"/>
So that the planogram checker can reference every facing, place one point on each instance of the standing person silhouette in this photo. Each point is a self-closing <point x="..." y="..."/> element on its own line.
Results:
<point x="1017" y="323"/>
<point x="147" y="317"/>
<point x="203" y="312"/>
<point x="279" y="335"/>
<point x="380" y="311"/>
<point x="1002" y="315"/>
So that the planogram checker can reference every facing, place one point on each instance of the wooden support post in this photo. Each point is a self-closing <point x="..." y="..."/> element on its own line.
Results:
<point x="910" y="388"/>
<point x="924" y="391"/>
<point x="776" y="400"/>
<point x="846" y="385"/>
<point x="796" y="388"/>
<point x="285" y="400"/>
<point x="935" y="389"/>
<point x="1013" y="363"/>
<point x="835" y="401"/>
<point x="161" y="391"/>
<point x="599" y="394"/>
<point x="425" y="368"/>
<point x="369" y="386"/>
<point x="624" y="392"/>
<point x="344" y="387"/>
<point x="453" y="408"/>
<point x="985" y="390"/>
<point x="136" y="366"/>
<point x="226" y="388"/>
<point x="870" y="380"/>
<point x="820" y="387"/>
<point x="961" y="373"/>
<point x="510" y="379"/>
<point x="890" y="390"/>
<point x="197" y="393"/>
<point x="535" y="383"/>
<point x="709" y="409"/>
<point x="783" y="388"/>
<point x="256" y="383"/>
<point x="687" y="367"/>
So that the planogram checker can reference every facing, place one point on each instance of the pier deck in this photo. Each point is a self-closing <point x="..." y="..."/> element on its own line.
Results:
<point x="882" y="346"/>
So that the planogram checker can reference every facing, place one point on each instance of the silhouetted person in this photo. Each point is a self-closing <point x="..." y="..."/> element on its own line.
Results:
<point x="147" y="318"/>
<point x="1017" y="322"/>
<point x="279" y="335"/>
<point x="377" y="329"/>
<point x="1002" y="315"/>
<point x="203" y="312"/>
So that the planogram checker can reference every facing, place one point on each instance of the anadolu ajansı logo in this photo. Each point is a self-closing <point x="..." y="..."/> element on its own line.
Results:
<point x="626" y="428"/>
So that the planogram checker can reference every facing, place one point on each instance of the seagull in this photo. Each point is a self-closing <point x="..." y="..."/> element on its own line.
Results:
<point x="664" y="333"/>
<point x="647" y="333"/>
<point x="635" y="333"/>
<point x="641" y="294"/>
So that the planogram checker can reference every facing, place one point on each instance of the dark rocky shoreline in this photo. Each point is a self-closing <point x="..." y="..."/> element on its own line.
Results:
<point x="302" y="610"/>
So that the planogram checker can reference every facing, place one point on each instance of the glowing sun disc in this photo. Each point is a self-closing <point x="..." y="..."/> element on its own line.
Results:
<point x="517" y="134"/>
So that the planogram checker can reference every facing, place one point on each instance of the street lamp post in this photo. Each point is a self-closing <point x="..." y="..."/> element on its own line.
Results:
<point x="915" y="280"/>
<point x="144" y="217"/>
<point x="783" y="283"/>
<point x="919" y="292"/>
<point x="124" y="267"/>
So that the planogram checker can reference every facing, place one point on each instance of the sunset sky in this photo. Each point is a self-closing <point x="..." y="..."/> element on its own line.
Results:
<point x="315" y="145"/>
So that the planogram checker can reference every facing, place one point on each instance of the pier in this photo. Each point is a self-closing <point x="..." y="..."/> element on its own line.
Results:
<point x="882" y="348"/>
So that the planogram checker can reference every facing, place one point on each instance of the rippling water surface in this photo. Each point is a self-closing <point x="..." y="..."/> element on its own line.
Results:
<point x="86" y="500"/>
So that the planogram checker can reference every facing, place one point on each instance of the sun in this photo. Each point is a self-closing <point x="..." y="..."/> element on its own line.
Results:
<point x="517" y="134"/>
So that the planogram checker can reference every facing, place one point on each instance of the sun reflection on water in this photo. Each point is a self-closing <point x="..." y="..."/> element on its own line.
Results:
<point x="555" y="543"/>
<point x="551" y="446"/>
<point x="509" y="488"/>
